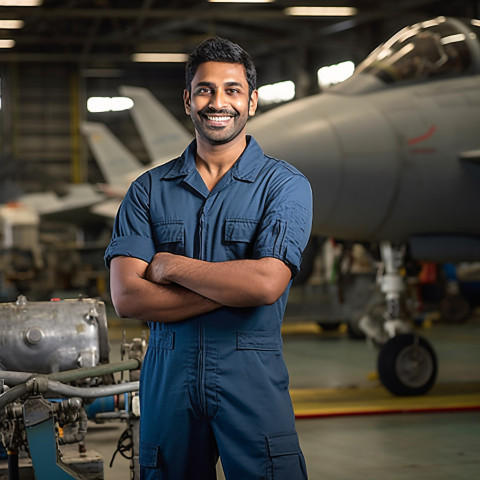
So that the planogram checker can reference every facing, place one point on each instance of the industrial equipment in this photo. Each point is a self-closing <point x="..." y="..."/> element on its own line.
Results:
<point x="54" y="376"/>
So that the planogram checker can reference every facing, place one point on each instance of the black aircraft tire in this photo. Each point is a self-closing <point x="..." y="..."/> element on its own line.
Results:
<point x="407" y="365"/>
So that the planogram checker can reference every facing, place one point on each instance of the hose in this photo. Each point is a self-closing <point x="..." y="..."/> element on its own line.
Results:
<point x="15" y="378"/>
<point x="91" y="392"/>
<point x="31" y="380"/>
<point x="99" y="370"/>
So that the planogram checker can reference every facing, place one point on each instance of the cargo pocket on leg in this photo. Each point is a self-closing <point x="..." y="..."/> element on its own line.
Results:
<point x="149" y="461"/>
<point x="285" y="460"/>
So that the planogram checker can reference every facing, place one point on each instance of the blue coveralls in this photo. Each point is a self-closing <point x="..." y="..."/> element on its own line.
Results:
<point x="217" y="383"/>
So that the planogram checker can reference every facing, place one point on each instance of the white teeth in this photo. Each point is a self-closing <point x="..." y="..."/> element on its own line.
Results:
<point x="218" y="119"/>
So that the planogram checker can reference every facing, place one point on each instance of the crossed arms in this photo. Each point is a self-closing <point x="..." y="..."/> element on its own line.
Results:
<point x="173" y="288"/>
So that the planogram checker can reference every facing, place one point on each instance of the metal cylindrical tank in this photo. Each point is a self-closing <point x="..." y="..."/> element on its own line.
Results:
<point x="46" y="337"/>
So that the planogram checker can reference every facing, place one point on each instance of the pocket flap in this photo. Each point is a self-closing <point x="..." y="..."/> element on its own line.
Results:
<point x="259" y="341"/>
<point x="283" y="444"/>
<point x="148" y="454"/>
<point x="240" y="230"/>
<point x="169" y="231"/>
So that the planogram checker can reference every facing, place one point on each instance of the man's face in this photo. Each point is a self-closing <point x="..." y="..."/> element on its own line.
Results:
<point x="219" y="103"/>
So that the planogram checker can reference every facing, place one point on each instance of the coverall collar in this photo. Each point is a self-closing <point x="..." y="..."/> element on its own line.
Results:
<point x="245" y="169"/>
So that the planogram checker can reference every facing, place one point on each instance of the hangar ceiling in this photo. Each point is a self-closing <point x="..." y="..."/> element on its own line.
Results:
<point x="105" y="33"/>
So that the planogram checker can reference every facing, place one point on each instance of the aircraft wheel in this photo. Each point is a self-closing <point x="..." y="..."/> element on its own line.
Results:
<point x="407" y="365"/>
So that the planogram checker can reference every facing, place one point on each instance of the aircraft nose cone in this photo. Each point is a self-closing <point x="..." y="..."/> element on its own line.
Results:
<point x="299" y="134"/>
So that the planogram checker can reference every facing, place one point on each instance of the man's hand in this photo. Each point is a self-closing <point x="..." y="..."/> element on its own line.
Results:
<point x="238" y="283"/>
<point x="133" y="295"/>
<point x="158" y="267"/>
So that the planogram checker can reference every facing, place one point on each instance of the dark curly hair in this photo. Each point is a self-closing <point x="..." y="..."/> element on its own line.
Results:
<point x="219" y="49"/>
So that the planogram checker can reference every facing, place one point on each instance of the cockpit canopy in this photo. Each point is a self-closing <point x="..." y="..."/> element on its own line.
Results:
<point x="438" y="47"/>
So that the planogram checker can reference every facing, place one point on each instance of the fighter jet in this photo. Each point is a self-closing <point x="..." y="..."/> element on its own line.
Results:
<point x="393" y="153"/>
<point x="393" y="157"/>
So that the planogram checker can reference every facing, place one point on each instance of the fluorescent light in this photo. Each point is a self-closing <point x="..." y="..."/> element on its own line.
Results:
<point x="459" y="37"/>
<point x="276" y="92"/>
<point x="12" y="23"/>
<point x="335" y="73"/>
<point x="20" y="3"/>
<point x="7" y="43"/>
<point x="476" y="22"/>
<point x="108" y="104"/>
<point x="321" y="11"/>
<point x="242" y="1"/>
<point x="160" y="57"/>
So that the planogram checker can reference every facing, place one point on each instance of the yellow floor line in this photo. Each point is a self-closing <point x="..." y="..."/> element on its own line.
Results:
<point x="365" y="400"/>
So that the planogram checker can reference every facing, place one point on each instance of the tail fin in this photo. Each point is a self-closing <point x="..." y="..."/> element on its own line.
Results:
<point x="115" y="161"/>
<point x="163" y="135"/>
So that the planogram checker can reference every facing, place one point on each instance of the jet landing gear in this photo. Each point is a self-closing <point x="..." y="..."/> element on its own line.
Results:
<point x="407" y="364"/>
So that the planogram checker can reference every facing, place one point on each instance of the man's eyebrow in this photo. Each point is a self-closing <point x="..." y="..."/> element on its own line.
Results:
<point x="205" y="84"/>
<point x="233" y="84"/>
<point x="211" y="84"/>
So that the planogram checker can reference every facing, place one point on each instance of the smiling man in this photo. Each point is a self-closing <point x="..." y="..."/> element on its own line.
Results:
<point x="204" y="249"/>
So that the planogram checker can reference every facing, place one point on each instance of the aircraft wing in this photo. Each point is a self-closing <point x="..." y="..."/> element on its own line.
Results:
<point x="79" y="199"/>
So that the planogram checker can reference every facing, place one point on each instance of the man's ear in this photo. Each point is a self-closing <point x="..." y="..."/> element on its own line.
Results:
<point x="252" y="106"/>
<point x="186" y="101"/>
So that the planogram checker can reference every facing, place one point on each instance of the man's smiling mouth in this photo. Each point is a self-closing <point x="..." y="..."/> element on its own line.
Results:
<point x="213" y="118"/>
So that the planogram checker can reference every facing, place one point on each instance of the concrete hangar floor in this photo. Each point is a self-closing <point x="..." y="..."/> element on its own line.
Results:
<point x="349" y="425"/>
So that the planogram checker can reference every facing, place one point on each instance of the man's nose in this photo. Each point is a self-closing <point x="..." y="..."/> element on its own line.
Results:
<point x="218" y="100"/>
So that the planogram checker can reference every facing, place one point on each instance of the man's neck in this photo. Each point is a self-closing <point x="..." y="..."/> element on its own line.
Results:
<point x="214" y="161"/>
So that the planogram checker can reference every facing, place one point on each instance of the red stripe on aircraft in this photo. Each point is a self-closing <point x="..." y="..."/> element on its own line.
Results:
<point x="423" y="137"/>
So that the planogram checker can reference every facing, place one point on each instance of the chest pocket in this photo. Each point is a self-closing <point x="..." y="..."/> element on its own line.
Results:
<point x="239" y="236"/>
<point x="169" y="236"/>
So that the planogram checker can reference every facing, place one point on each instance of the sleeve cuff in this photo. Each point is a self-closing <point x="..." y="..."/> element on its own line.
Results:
<point x="131" y="246"/>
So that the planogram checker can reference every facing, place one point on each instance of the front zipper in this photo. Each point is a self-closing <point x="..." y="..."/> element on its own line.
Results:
<point x="201" y="370"/>
<point x="201" y="353"/>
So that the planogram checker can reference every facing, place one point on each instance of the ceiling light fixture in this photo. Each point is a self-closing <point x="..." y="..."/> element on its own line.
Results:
<point x="321" y="11"/>
<point x="20" y="3"/>
<point x="242" y="1"/>
<point x="11" y="24"/>
<point x="7" y="43"/>
<point x="160" y="57"/>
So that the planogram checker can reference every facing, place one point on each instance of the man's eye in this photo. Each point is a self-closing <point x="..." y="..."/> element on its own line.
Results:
<point x="203" y="90"/>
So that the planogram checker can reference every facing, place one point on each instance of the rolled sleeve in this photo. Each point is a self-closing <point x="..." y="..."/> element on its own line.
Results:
<point x="285" y="228"/>
<point x="130" y="246"/>
<point x="131" y="234"/>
